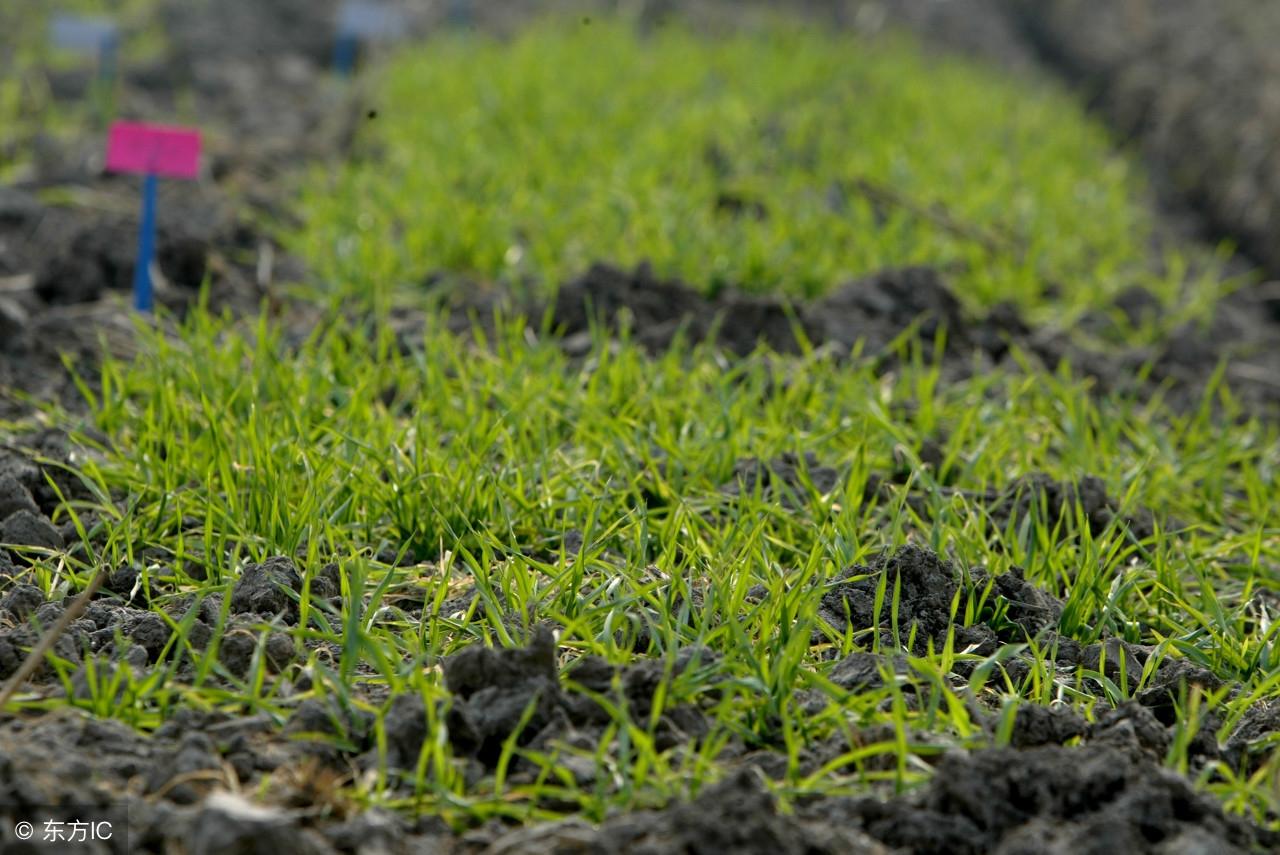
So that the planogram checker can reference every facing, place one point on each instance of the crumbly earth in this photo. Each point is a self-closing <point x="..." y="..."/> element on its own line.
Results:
<point x="1061" y="783"/>
<point x="878" y="311"/>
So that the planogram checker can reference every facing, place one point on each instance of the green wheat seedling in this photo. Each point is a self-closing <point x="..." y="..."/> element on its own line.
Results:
<point x="470" y="491"/>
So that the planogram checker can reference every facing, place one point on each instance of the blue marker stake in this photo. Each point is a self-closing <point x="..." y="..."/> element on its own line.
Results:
<point x="152" y="151"/>
<point x="460" y="13"/>
<point x="143" y="300"/>
<point x="345" y="49"/>
<point x="360" y="22"/>
<point x="107" y="53"/>
<point x="89" y="35"/>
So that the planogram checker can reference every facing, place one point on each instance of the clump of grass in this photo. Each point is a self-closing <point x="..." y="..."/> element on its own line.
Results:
<point x="472" y="466"/>
<point x="731" y="162"/>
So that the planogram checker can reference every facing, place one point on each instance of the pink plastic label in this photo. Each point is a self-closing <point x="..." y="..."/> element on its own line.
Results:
<point x="162" y="150"/>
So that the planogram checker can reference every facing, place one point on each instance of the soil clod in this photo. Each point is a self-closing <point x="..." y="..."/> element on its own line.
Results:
<point x="262" y="589"/>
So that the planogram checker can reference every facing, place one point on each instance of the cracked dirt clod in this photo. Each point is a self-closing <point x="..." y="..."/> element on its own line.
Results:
<point x="1046" y="799"/>
<point x="1112" y="658"/>
<point x="406" y="727"/>
<point x="860" y="672"/>
<point x="240" y="644"/>
<point x="875" y="310"/>
<point x="22" y="600"/>
<point x="14" y="497"/>
<point x="1161" y="694"/>
<point x="928" y="586"/>
<point x="1037" y="725"/>
<point x="261" y="589"/>
<point x="29" y="528"/>
<point x="1060" y="499"/>
<point x="314" y="723"/>
<point x="494" y="689"/>
<point x="150" y="632"/>
<point x="1254" y="738"/>
<point x="1131" y="728"/>
<point x="190" y="772"/>
<point x="374" y="831"/>
<point x="785" y="479"/>
<point x="1027" y="606"/>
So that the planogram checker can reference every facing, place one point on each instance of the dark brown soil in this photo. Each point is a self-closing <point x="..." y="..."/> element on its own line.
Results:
<point x="791" y="479"/>
<point x="884" y="315"/>
<point x="1062" y="784"/>
<point x="1046" y="799"/>
<point x="872" y="311"/>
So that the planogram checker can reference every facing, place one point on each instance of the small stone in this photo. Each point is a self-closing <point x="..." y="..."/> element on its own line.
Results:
<point x="151" y="633"/>
<point x="26" y="528"/>
<point x="47" y="615"/>
<point x="22" y="600"/>
<point x="861" y="672"/>
<point x="14" y="497"/>
<point x="262" y="588"/>
<point x="280" y="651"/>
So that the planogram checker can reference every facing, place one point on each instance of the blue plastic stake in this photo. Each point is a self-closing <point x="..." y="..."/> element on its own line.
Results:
<point x="360" y="22"/>
<point x="142" y="293"/>
<point x="459" y="13"/>
<point x="91" y="35"/>
<point x="107" y="57"/>
<point x="344" y="54"/>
